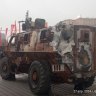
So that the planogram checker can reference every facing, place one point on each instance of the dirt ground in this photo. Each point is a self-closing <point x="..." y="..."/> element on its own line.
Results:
<point x="20" y="88"/>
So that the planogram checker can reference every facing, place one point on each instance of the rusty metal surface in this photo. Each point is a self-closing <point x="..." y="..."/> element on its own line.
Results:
<point x="20" y="88"/>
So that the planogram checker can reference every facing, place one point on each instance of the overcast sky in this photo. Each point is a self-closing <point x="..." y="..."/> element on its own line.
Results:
<point x="51" y="10"/>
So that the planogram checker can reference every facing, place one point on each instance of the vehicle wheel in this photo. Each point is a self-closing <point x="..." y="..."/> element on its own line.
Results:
<point x="79" y="85"/>
<point x="89" y="81"/>
<point x="83" y="84"/>
<point x="5" y="70"/>
<point x="39" y="77"/>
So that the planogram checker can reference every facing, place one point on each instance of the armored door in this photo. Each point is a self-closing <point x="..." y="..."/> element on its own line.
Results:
<point x="84" y="40"/>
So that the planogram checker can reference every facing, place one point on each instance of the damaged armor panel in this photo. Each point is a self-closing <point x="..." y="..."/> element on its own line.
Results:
<point x="56" y="40"/>
<point x="63" y="40"/>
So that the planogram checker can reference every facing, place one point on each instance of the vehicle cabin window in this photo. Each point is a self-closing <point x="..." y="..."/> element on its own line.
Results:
<point x="26" y="38"/>
<point x="85" y="36"/>
<point x="13" y="41"/>
<point x="46" y="36"/>
<point x="43" y="36"/>
<point x="8" y="39"/>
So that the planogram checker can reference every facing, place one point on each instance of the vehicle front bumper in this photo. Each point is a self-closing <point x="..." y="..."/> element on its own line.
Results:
<point x="84" y="74"/>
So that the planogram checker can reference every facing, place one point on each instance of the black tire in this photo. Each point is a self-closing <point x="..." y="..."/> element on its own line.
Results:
<point x="5" y="70"/>
<point x="89" y="82"/>
<point x="42" y="83"/>
<point x="83" y="84"/>
<point x="79" y="85"/>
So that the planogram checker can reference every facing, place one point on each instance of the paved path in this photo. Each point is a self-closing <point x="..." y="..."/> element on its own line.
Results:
<point x="20" y="88"/>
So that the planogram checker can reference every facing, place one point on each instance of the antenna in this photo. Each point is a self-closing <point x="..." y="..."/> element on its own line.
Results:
<point x="27" y="14"/>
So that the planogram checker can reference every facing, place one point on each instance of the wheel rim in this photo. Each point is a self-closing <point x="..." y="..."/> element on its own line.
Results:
<point x="35" y="79"/>
<point x="34" y="76"/>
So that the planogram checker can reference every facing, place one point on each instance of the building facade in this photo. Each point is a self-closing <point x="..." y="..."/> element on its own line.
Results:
<point x="81" y="21"/>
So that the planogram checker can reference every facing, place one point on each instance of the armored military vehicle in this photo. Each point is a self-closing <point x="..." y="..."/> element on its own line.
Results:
<point x="60" y="54"/>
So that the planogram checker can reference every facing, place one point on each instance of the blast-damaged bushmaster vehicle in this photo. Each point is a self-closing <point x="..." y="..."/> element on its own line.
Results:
<point x="60" y="54"/>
